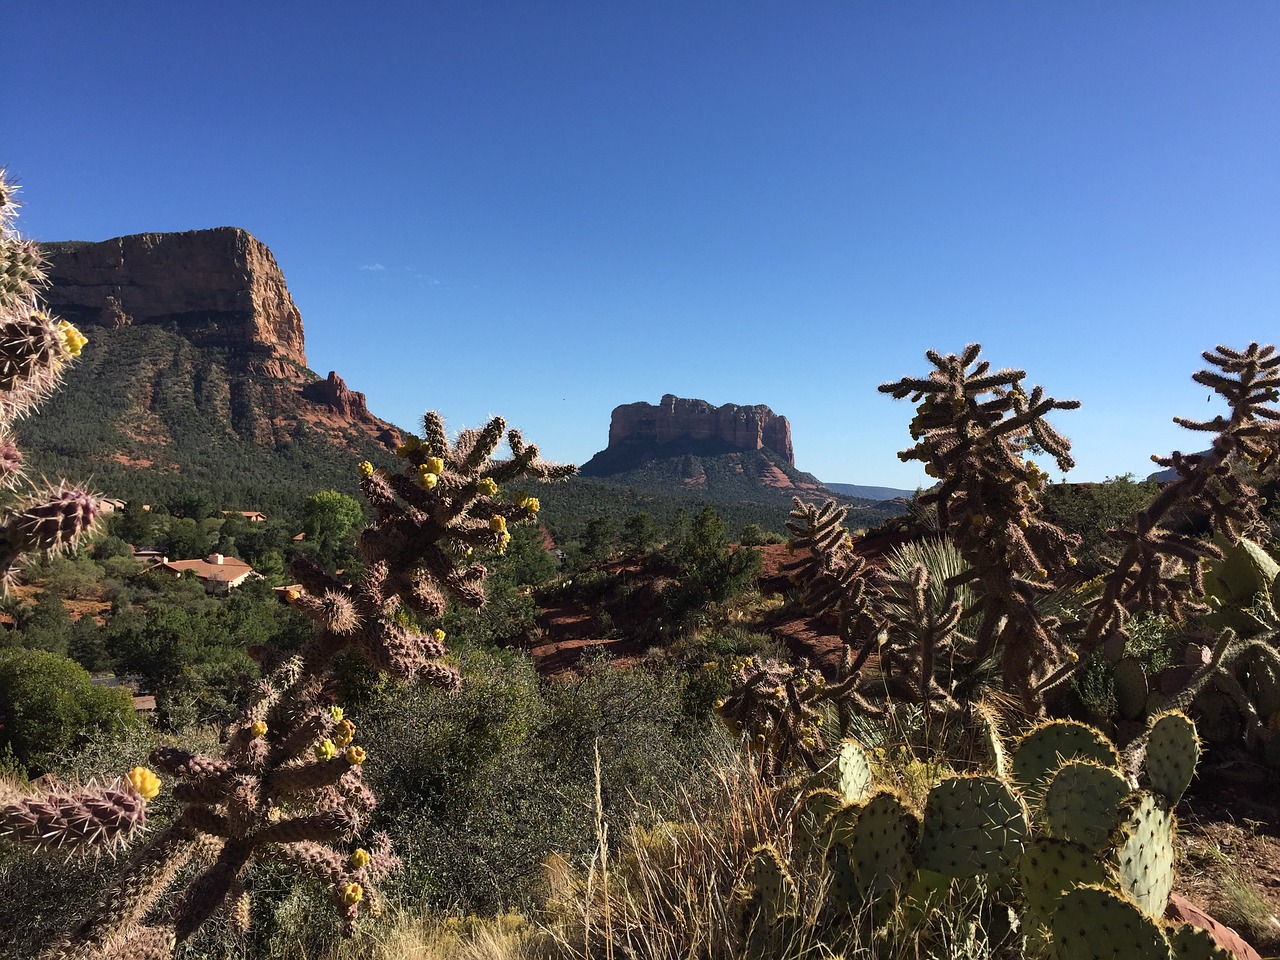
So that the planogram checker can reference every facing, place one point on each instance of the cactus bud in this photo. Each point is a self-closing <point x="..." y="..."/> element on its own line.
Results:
<point x="258" y="728"/>
<point x="486" y="486"/>
<point x="359" y="859"/>
<point x="497" y="524"/>
<point x="325" y="750"/>
<point x="434" y="465"/>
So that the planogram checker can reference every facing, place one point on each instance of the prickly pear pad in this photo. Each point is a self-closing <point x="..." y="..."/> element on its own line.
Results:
<point x="882" y="846"/>
<point x="972" y="826"/>
<point x="1132" y="688"/>
<point x="1048" y="746"/>
<point x="1047" y="869"/>
<point x="1094" y="923"/>
<point x="1173" y="750"/>
<point x="1192" y="943"/>
<point x="811" y="825"/>
<point x="853" y="771"/>
<point x="1144" y="852"/>
<point x="1083" y="802"/>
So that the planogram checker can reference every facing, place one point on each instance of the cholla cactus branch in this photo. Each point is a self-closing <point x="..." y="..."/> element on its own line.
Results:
<point x="1158" y="570"/>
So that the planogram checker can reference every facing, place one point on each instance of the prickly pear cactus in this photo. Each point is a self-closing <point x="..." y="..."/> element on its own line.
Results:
<point x="811" y="824"/>
<point x="973" y="825"/>
<point x="1132" y="688"/>
<point x="767" y="895"/>
<point x="1083" y="802"/>
<point x="880" y="844"/>
<point x="1192" y="943"/>
<point x="1173" y="750"/>
<point x="1144" y="854"/>
<point x="1047" y="868"/>
<point x="852" y="771"/>
<point x="1095" y="923"/>
<point x="1048" y="746"/>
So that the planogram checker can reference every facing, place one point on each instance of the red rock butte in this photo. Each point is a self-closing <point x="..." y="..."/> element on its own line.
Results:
<point x="674" y="418"/>
<point x="219" y="287"/>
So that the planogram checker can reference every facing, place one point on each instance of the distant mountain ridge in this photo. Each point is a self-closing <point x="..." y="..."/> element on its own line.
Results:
<point x="195" y="375"/>
<point x="869" y="493"/>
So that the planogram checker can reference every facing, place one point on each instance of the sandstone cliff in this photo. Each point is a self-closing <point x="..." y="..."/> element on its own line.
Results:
<point x="676" y="419"/>
<point x="218" y="288"/>
<point x="195" y="373"/>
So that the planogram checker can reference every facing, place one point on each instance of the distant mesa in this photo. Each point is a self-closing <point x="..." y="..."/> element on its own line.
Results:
<point x="218" y="288"/>
<point x="678" y="427"/>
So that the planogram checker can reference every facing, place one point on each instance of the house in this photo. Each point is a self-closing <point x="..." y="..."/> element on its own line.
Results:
<point x="219" y="574"/>
<point x="253" y="516"/>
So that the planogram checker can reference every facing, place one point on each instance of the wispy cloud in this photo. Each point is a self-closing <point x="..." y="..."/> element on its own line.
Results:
<point x="372" y="266"/>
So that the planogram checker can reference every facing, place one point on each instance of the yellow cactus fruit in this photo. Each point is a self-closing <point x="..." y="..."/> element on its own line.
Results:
<point x="408" y="446"/>
<point x="497" y="523"/>
<point x="336" y="714"/>
<point x="359" y="859"/>
<point x="145" y="783"/>
<point x="292" y="595"/>
<point x="354" y="755"/>
<point x="345" y="733"/>
<point x="258" y="729"/>
<point x="352" y="893"/>
<point x="486" y="486"/>
<point x="438" y="635"/>
<point x="72" y="338"/>
<point x="434" y="465"/>
<point x="325" y="750"/>
<point x="365" y="469"/>
<point x="427" y="479"/>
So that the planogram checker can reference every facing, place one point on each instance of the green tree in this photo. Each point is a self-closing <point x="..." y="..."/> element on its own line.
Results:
<point x="330" y="520"/>
<point x="600" y="539"/>
<point x="639" y="534"/>
<point x="48" y="704"/>
<point x="46" y="625"/>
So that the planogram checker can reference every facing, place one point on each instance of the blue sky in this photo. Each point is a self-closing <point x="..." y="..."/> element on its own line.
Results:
<point x="547" y="209"/>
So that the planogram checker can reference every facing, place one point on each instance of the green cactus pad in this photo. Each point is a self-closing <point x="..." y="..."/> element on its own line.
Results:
<point x="1083" y="802"/>
<point x="1143" y="845"/>
<point x="1245" y="570"/>
<point x="1131" y="688"/>
<point x="882" y="846"/>
<point x="1047" y="868"/>
<point x="1047" y="747"/>
<point x="768" y="893"/>
<point x="1192" y="943"/>
<point x="972" y="826"/>
<point x="1173" y="749"/>
<point x="1095" y="923"/>
<point x="852" y="771"/>
<point x="811" y="824"/>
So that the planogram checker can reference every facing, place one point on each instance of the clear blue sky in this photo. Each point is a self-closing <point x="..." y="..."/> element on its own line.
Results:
<point x="547" y="209"/>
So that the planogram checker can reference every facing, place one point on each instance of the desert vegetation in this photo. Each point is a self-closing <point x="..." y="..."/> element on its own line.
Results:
<point x="993" y="766"/>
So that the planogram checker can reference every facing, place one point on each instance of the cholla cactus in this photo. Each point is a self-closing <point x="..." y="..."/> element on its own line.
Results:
<point x="288" y="786"/>
<point x="35" y="349"/>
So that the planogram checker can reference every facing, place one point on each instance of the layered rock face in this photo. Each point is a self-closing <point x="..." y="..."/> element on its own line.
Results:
<point x="219" y="288"/>
<point x="677" y="419"/>
<point x="334" y="393"/>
